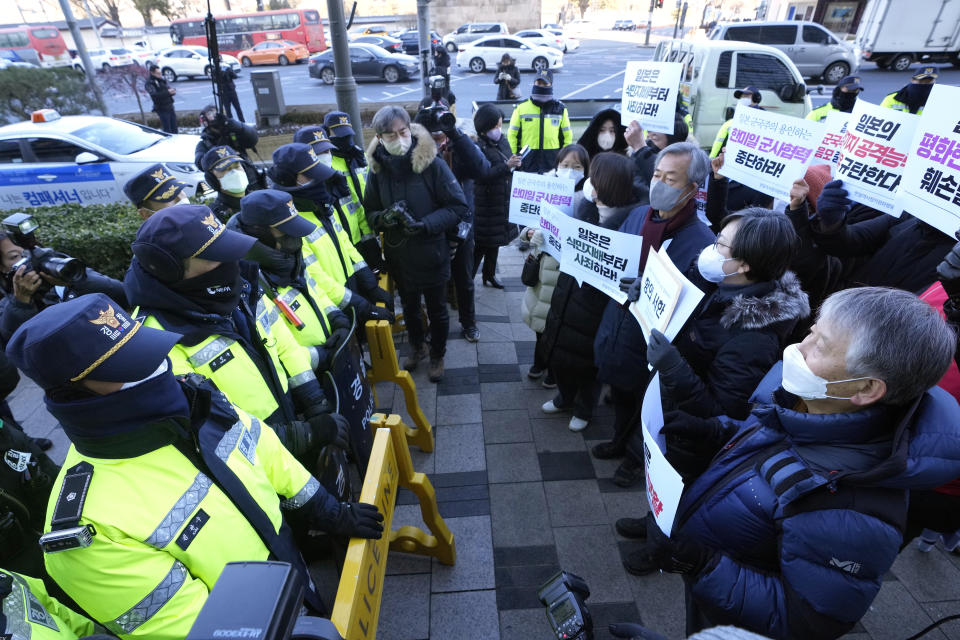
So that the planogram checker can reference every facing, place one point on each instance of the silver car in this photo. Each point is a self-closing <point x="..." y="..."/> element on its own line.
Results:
<point x="816" y="52"/>
<point x="472" y="31"/>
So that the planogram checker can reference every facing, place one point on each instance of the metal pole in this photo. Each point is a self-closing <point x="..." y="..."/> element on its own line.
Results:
<point x="646" y="38"/>
<point x="93" y="25"/>
<point x="90" y="72"/>
<point x="344" y="86"/>
<point x="676" y="22"/>
<point x="683" y="17"/>
<point x="423" y="35"/>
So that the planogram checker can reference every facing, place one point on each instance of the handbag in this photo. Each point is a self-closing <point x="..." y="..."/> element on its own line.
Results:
<point x="530" y="275"/>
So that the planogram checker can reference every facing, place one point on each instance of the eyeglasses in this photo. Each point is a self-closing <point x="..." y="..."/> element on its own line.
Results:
<point x="718" y="244"/>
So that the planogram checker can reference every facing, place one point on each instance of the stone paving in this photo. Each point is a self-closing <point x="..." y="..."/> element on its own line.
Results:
<point x="524" y="497"/>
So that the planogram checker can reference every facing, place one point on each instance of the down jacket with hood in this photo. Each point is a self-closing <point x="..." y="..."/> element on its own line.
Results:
<point x="589" y="138"/>
<point x="805" y="512"/>
<point x="433" y="196"/>
<point x="536" y="299"/>
<point x="737" y="335"/>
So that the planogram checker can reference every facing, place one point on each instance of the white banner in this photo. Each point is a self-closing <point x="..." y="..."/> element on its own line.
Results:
<point x="650" y="94"/>
<point x="667" y="297"/>
<point x="873" y="154"/>
<point x="664" y="484"/>
<point x="651" y="411"/>
<point x="930" y="188"/>
<point x="835" y="126"/>
<point x="553" y="223"/>
<point x="768" y="151"/>
<point x="599" y="256"/>
<point x="528" y="190"/>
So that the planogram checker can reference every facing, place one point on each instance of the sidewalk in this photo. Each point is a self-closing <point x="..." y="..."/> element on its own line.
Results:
<point x="524" y="498"/>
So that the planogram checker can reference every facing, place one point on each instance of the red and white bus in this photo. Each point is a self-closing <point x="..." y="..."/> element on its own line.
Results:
<point x="46" y="41"/>
<point x="239" y="31"/>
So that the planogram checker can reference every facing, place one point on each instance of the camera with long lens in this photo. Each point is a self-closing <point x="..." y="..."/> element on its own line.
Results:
<point x="20" y="227"/>
<point x="437" y="118"/>
<point x="564" y="595"/>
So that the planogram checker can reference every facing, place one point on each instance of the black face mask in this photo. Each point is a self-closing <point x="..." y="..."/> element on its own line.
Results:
<point x="917" y="95"/>
<point x="343" y="143"/>
<point x="844" y="101"/>
<point x="316" y="192"/>
<point x="290" y="245"/>
<point x="216" y="291"/>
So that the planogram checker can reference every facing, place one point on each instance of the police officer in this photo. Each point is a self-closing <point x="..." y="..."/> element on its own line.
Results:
<point x="230" y="176"/>
<point x="186" y="276"/>
<point x="913" y="97"/>
<point x="28" y="611"/>
<point x="335" y="264"/>
<point x="542" y="123"/>
<point x="748" y="97"/>
<point x="154" y="189"/>
<point x="845" y="95"/>
<point x="165" y="481"/>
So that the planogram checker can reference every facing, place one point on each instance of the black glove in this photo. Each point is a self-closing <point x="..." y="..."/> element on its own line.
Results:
<point x="692" y="442"/>
<point x="318" y="409"/>
<point x="414" y="228"/>
<point x="330" y="428"/>
<point x="949" y="271"/>
<point x="832" y="205"/>
<point x="339" y="320"/>
<point x="324" y="357"/>
<point x="662" y="355"/>
<point x="309" y="399"/>
<point x="336" y="339"/>
<point x="633" y="631"/>
<point x="298" y="438"/>
<point x="358" y="520"/>
<point x="381" y="295"/>
<point x="633" y="291"/>
<point x="381" y="313"/>
<point x="678" y="554"/>
<point x="625" y="283"/>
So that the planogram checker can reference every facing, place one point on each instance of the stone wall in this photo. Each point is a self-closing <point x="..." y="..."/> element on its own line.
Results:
<point x="447" y="15"/>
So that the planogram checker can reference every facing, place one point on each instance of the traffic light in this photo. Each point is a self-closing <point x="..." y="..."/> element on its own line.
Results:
<point x="659" y="4"/>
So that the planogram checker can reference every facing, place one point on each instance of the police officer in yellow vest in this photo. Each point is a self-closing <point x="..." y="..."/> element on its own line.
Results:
<point x="187" y="277"/>
<point x="913" y="97"/>
<point x="542" y="123"/>
<point x="317" y="191"/>
<point x="845" y="95"/>
<point x="165" y="481"/>
<point x="748" y="96"/>
<point x="28" y="612"/>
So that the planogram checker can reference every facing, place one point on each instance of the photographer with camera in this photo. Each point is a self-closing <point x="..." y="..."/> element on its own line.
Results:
<point x="413" y="197"/>
<point x="220" y="130"/>
<point x="440" y="95"/>
<point x="36" y="277"/>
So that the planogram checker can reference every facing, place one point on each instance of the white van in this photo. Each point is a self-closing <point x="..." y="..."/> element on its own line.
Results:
<point x="714" y="69"/>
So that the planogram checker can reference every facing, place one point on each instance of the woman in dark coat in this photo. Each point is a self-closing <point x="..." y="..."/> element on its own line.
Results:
<point x="492" y="194"/>
<point x="507" y="78"/>
<point x="604" y="133"/>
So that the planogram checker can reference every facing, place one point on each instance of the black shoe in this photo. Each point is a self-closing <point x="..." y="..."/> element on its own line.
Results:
<point x="471" y="334"/>
<point x="628" y="474"/>
<point x="640" y="562"/>
<point x="45" y="444"/>
<point x="534" y="373"/>
<point x="608" y="451"/>
<point x="635" y="528"/>
<point x="492" y="282"/>
<point x="549" y="382"/>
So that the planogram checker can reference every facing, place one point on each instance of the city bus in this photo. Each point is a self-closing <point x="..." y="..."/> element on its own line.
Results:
<point x="239" y="31"/>
<point x="47" y="42"/>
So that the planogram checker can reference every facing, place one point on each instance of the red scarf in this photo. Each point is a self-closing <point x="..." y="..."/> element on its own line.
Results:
<point x="655" y="229"/>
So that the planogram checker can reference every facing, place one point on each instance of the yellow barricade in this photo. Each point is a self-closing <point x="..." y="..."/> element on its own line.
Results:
<point x="384" y="367"/>
<point x="357" y="607"/>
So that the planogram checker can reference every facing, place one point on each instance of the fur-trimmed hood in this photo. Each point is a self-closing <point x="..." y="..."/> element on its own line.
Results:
<point x="787" y="301"/>
<point x="421" y="153"/>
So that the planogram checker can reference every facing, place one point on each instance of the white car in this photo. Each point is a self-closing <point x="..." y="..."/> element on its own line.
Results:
<point x="105" y="59"/>
<point x="541" y="37"/>
<point x="86" y="159"/>
<point x="486" y="53"/>
<point x="182" y="60"/>
<point x="570" y="43"/>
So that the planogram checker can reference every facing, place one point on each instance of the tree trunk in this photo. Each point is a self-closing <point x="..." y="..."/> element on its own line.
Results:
<point x="227" y="5"/>
<point x="147" y="18"/>
<point x="114" y="13"/>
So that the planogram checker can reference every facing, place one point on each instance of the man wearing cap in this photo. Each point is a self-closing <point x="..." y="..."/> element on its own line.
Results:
<point x="844" y="97"/>
<point x="187" y="276"/>
<point x="154" y="189"/>
<point x="165" y="481"/>
<point x="541" y="123"/>
<point x="333" y="261"/>
<point x="913" y="97"/>
<point x="230" y="176"/>
<point x="748" y="97"/>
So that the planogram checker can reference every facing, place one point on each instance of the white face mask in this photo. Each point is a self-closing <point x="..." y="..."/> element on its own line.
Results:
<point x="799" y="380"/>
<point x="397" y="147"/>
<point x="159" y="371"/>
<point x="235" y="181"/>
<point x="569" y="173"/>
<point x="605" y="140"/>
<point x="588" y="193"/>
<point x="710" y="264"/>
<point x="325" y="158"/>
<point x="746" y="101"/>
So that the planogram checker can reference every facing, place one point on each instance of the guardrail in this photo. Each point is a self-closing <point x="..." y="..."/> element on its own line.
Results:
<point x="577" y="108"/>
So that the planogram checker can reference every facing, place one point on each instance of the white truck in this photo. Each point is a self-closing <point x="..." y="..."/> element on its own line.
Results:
<point x="896" y="33"/>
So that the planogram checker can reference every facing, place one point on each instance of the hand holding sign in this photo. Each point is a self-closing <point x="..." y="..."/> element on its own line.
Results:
<point x="798" y="193"/>
<point x="634" y="135"/>
<point x="650" y="94"/>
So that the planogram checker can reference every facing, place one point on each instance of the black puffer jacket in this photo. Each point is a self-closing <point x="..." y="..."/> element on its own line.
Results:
<point x="588" y="140"/>
<point x="727" y="348"/>
<point x="424" y="181"/>
<point x="492" y="196"/>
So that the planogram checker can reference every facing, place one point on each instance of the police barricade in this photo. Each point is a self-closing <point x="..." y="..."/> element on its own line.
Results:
<point x="357" y="606"/>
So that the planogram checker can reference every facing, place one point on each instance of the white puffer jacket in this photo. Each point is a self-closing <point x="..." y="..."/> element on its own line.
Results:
<point x="536" y="300"/>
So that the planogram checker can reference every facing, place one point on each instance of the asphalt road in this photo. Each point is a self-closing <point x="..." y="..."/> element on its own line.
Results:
<point x="595" y="70"/>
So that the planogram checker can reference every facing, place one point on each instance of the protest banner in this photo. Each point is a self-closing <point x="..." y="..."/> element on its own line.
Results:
<point x="650" y="94"/>
<point x="667" y="298"/>
<point x="768" y="151"/>
<point x="930" y="189"/>
<point x="599" y="257"/>
<point x="552" y="225"/>
<point x="651" y="411"/>
<point x="835" y="126"/>
<point x="664" y="484"/>
<point x="873" y="154"/>
<point x="528" y="190"/>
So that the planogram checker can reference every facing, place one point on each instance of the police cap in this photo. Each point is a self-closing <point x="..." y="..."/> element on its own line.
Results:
<point x="273" y="208"/>
<point x="153" y="183"/>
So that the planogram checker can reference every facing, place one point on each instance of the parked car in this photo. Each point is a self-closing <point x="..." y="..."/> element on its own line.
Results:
<point x="552" y="26"/>
<point x="411" y="41"/>
<point x="541" y="37"/>
<point x="105" y="59"/>
<point x="13" y="58"/>
<point x="281" y="52"/>
<point x="714" y="69"/>
<point x="471" y="31"/>
<point x="570" y="43"/>
<point x="85" y="159"/>
<point x="368" y="30"/>
<point x="625" y="25"/>
<point x="816" y="52"/>
<point x="486" y="53"/>
<point x="141" y="55"/>
<point x="188" y="61"/>
<point x="388" y="43"/>
<point x="368" y="62"/>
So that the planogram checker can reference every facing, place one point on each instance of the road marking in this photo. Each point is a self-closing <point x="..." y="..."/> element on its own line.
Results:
<point x="593" y="84"/>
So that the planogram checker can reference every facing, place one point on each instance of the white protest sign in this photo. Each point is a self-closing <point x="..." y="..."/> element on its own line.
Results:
<point x="684" y="305"/>
<point x="768" y="151"/>
<point x="552" y="225"/>
<point x="664" y="484"/>
<point x="651" y="411"/>
<point x="930" y="188"/>
<point x="529" y="189"/>
<point x="599" y="256"/>
<point x="650" y="94"/>
<point x="873" y="154"/>
<point x="835" y="126"/>
<point x="659" y="293"/>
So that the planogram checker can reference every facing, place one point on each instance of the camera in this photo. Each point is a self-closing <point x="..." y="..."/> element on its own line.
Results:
<point x="20" y="227"/>
<point x="437" y="118"/>
<point x="564" y="596"/>
<point x="397" y="215"/>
